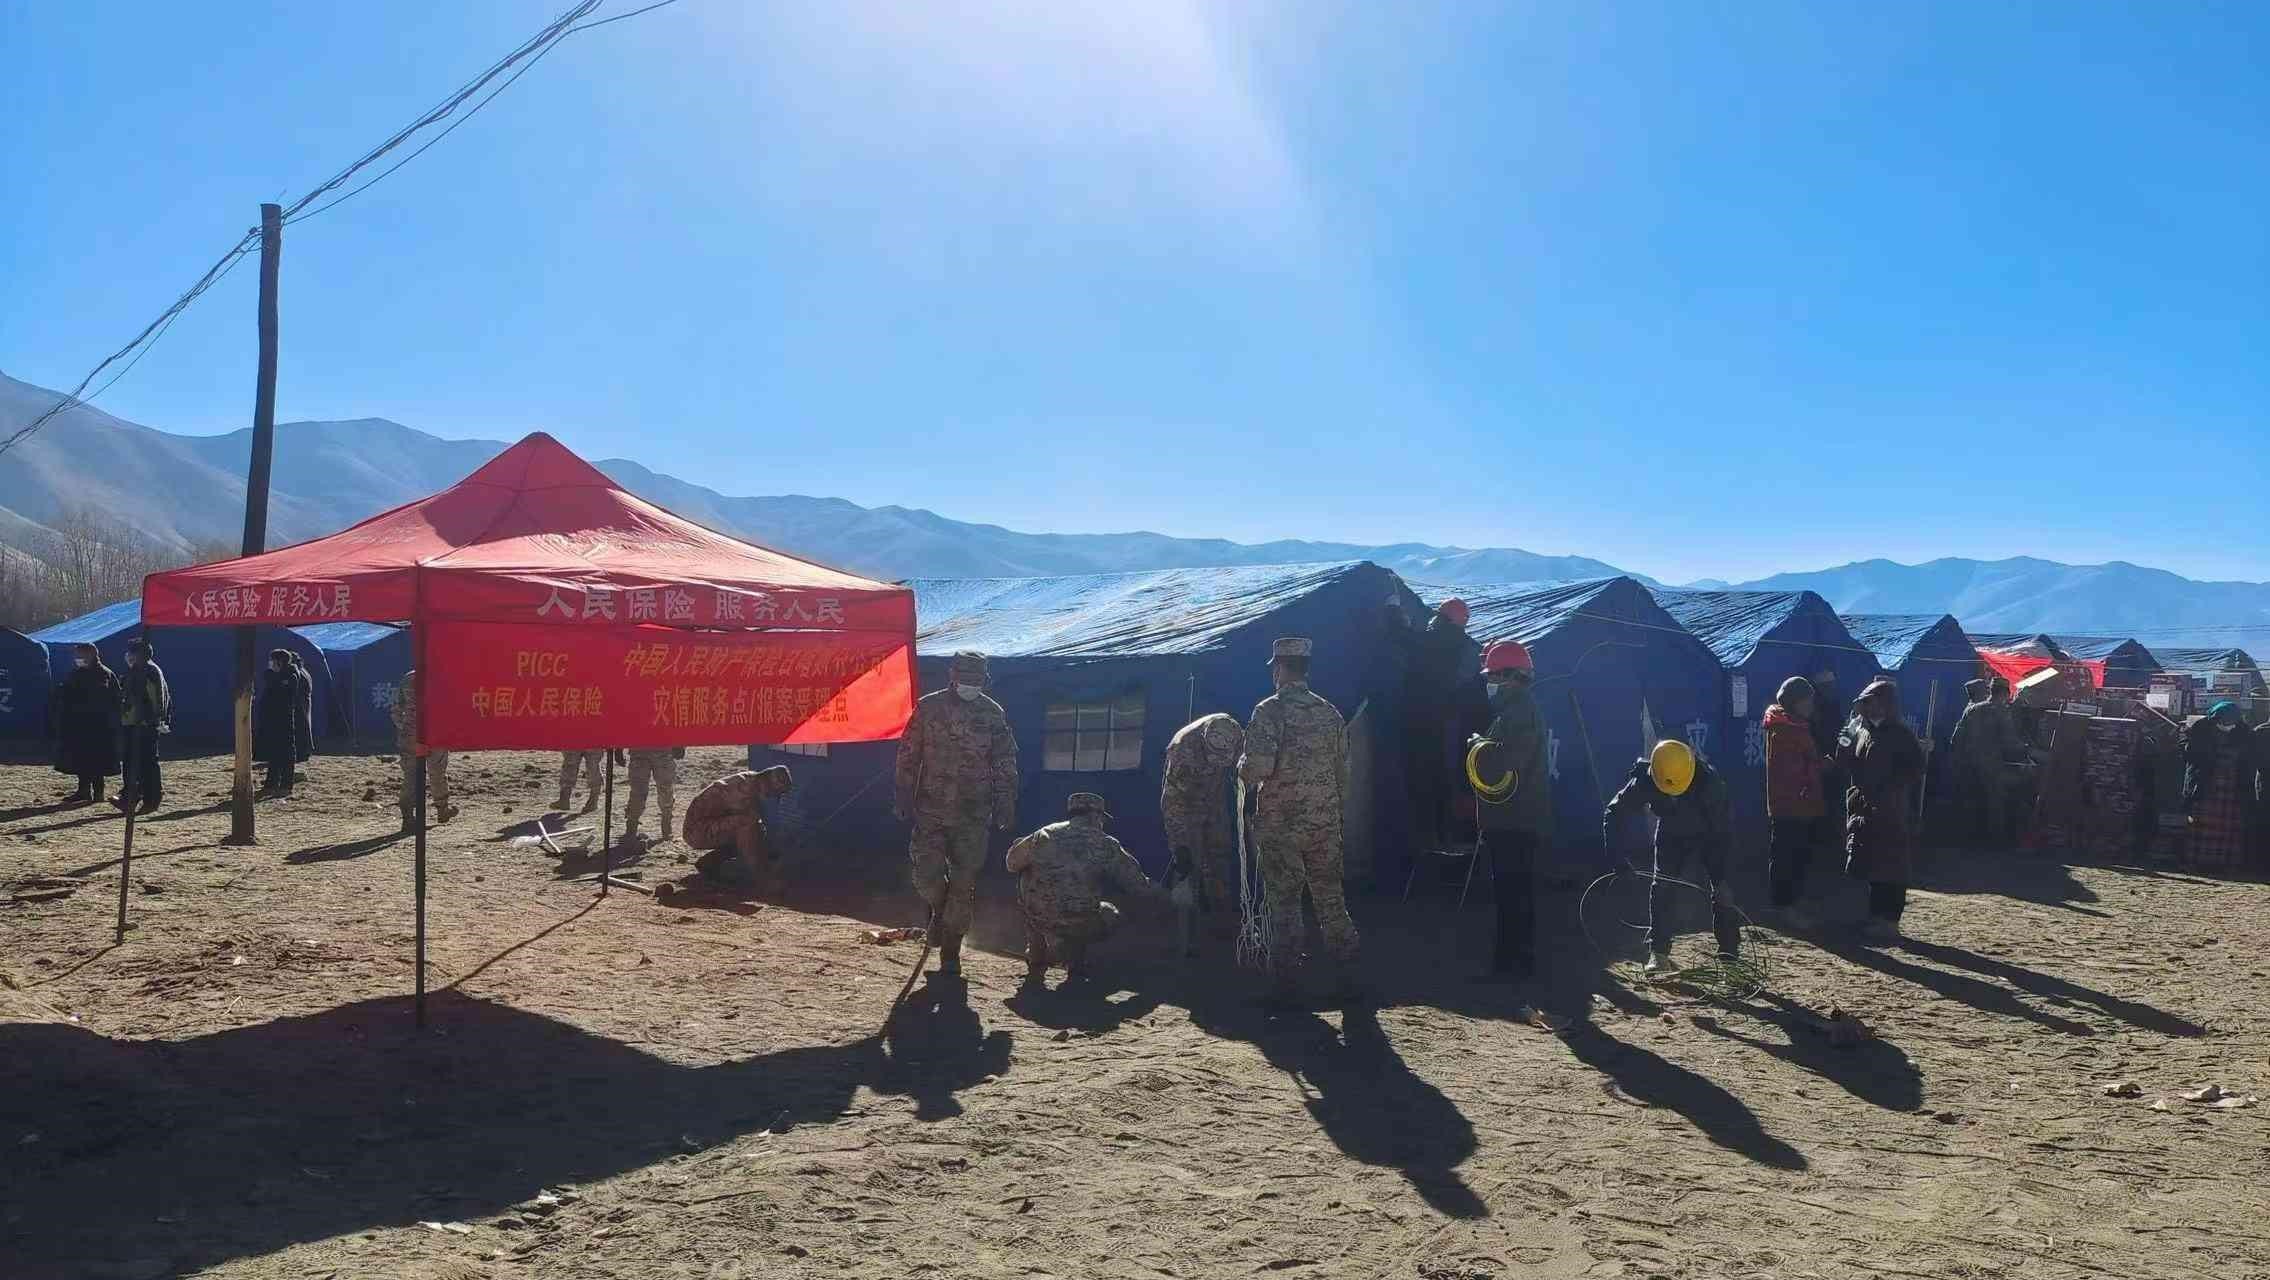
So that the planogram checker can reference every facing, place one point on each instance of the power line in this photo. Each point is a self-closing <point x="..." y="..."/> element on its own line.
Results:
<point x="524" y="56"/>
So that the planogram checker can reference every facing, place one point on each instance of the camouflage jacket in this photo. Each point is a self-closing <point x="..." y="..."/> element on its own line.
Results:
<point x="1296" y="743"/>
<point x="736" y="793"/>
<point x="958" y="760"/>
<point x="1196" y="779"/>
<point x="1064" y="869"/>
<point x="405" y="712"/>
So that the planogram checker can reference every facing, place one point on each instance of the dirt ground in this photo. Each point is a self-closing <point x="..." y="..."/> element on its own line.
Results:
<point x="620" y="1088"/>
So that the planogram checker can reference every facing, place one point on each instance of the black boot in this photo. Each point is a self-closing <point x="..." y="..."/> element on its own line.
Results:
<point x="949" y="954"/>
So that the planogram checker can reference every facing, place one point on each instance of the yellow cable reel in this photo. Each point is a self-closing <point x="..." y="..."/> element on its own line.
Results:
<point x="1488" y="792"/>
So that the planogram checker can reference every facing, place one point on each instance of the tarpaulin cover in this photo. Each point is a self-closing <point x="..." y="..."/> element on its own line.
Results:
<point x="532" y="685"/>
<point x="536" y="543"/>
<point x="1117" y="615"/>
<point x="2014" y="656"/>
<point x="24" y="682"/>
<point x="536" y="535"/>
<point x="2227" y="670"/>
<point x="364" y="664"/>
<point x="1930" y="657"/>
<point x="2115" y="662"/>
<point x="1614" y="673"/>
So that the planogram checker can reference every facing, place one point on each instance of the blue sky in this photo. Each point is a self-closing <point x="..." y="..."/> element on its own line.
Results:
<point x="1696" y="289"/>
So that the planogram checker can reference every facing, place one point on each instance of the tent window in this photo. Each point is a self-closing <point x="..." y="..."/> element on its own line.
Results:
<point x="1094" y="737"/>
<point x="819" y="749"/>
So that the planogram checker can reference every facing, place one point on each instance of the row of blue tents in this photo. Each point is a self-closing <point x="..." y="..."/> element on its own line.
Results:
<point x="1097" y="672"/>
<point x="355" y="664"/>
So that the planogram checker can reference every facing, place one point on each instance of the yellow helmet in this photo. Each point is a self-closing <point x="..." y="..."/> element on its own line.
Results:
<point x="1672" y="766"/>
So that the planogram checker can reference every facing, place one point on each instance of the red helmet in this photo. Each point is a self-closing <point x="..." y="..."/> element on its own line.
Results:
<point x="1454" y="611"/>
<point x="1507" y="655"/>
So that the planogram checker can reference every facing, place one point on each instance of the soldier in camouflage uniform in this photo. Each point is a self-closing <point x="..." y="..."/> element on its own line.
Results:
<point x="657" y="766"/>
<point x="1063" y="870"/>
<point x="1194" y="803"/>
<point x="957" y="775"/>
<point x="405" y="712"/>
<point x="570" y="762"/>
<point x="728" y="820"/>
<point x="1296" y="756"/>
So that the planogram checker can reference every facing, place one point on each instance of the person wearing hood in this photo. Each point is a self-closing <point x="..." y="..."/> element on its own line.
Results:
<point x="303" y="726"/>
<point x="956" y="776"/>
<point x="1063" y="872"/>
<point x="275" y="724"/>
<point x="1512" y="752"/>
<point x="85" y="716"/>
<point x="1884" y="762"/>
<point x="1694" y="831"/>
<point x="1438" y="683"/>
<point x="1796" y="766"/>
<point x="2218" y="791"/>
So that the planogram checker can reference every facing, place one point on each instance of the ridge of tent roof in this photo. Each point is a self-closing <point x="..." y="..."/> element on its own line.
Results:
<point x="1158" y="611"/>
<point x="1732" y="623"/>
<point x="1893" y="636"/>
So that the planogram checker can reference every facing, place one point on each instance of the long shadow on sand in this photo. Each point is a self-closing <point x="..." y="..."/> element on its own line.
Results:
<point x="1874" y="1070"/>
<point x="2049" y="986"/>
<point x="178" y="1155"/>
<point x="1652" y="1080"/>
<point x="1363" y="1095"/>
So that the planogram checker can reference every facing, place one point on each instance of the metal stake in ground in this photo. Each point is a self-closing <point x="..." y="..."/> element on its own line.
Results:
<point x="256" y="512"/>
<point x="133" y="802"/>
<point x="607" y="828"/>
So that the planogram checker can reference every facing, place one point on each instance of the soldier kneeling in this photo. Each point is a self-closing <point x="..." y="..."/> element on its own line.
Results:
<point x="1063" y="870"/>
<point x="728" y="819"/>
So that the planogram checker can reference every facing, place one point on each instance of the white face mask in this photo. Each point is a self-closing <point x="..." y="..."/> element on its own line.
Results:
<point x="83" y="662"/>
<point x="966" y="692"/>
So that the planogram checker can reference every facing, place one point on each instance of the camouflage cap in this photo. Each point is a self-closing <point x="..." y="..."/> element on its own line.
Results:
<point x="969" y="663"/>
<point x="1292" y="647"/>
<point x="1223" y="733"/>
<point x="1080" y="802"/>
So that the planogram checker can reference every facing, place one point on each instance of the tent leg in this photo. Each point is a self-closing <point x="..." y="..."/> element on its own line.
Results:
<point x="418" y="863"/>
<point x="132" y="792"/>
<point x="607" y="830"/>
<point x="1473" y="860"/>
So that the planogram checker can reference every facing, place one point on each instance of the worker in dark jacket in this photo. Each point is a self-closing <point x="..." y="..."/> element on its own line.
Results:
<point x="1437" y="676"/>
<point x="303" y="729"/>
<point x="1693" y="828"/>
<point x="2218" y="789"/>
<point x="1513" y="786"/>
<point x="1829" y="720"/>
<point x="275" y="723"/>
<point x="1885" y="763"/>
<point x="85" y="715"/>
<point x="145" y="712"/>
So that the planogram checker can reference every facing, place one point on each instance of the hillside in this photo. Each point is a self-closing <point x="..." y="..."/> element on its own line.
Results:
<point x="183" y="490"/>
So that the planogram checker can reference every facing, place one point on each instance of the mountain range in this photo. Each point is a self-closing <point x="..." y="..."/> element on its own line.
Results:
<point x="186" y="492"/>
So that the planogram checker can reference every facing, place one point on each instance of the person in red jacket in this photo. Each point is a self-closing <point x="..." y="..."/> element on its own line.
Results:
<point x="1795" y="795"/>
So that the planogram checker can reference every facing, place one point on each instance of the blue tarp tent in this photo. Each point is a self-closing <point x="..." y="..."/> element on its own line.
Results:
<point x="199" y="662"/>
<point x="2218" y="672"/>
<point x="1614" y="672"/>
<point x="1931" y="658"/>
<point x="24" y="684"/>
<point x="1762" y="638"/>
<point x="1097" y="672"/>
<point x="362" y="663"/>
<point x="2124" y="664"/>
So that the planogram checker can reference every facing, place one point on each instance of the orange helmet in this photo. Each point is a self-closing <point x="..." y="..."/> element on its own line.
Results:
<point x="1455" y="612"/>
<point x="1507" y="655"/>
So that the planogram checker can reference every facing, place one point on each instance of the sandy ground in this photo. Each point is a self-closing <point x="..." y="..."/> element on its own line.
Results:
<point x="624" y="1089"/>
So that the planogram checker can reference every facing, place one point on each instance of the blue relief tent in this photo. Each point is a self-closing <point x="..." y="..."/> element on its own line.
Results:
<point x="1762" y="638"/>
<point x="199" y="662"/>
<point x="362" y="664"/>
<point x="24" y="685"/>
<point x="1097" y="672"/>
<point x="2217" y="672"/>
<point x="1930" y="657"/>
<point x="1615" y="672"/>
<point x="2123" y="663"/>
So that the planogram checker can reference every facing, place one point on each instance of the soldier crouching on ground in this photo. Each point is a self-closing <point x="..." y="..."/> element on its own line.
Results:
<point x="1063" y="870"/>
<point x="728" y="820"/>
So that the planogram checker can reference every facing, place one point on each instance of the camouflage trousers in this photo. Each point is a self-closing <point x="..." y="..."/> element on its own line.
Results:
<point x="1299" y="853"/>
<point x="588" y="762"/>
<point x="1212" y="840"/>
<point x="948" y="851"/>
<point x="662" y="775"/>
<point x="736" y="841"/>
<point x="1062" y="937"/>
<point x="437" y="785"/>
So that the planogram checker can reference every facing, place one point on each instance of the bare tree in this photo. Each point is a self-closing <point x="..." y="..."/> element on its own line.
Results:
<point x="88" y="559"/>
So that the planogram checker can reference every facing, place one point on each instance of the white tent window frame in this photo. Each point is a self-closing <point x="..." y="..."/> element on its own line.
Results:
<point x="1094" y="735"/>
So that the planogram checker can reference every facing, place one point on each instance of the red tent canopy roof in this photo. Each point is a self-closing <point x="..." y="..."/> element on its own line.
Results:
<point x="535" y="535"/>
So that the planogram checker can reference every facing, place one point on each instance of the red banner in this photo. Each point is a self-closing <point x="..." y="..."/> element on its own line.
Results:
<point x="532" y="686"/>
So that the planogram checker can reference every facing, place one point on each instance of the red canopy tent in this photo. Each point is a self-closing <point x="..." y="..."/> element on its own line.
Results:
<point x="573" y="614"/>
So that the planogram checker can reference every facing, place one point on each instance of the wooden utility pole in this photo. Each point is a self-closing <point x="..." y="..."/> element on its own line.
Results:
<point x="256" y="513"/>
